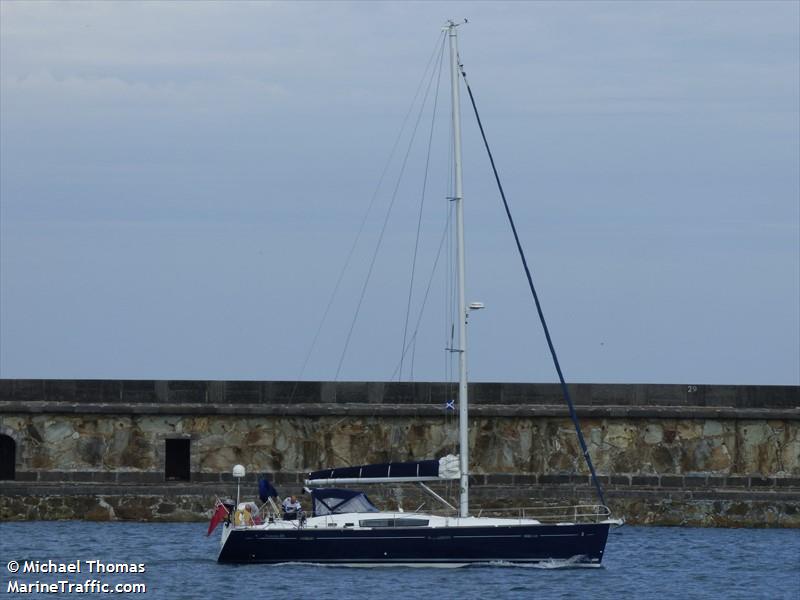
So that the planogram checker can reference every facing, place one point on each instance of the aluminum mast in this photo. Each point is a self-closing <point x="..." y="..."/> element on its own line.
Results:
<point x="463" y="416"/>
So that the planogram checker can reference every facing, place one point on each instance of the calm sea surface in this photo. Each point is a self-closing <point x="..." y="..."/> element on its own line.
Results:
<point x="640" y="562"/>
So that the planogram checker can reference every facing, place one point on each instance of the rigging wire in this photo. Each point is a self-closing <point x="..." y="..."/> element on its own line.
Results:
<point x="385" y="221"/>
<point x="419" y="222"/>
<point x="364" y="219"/>
<point x="411" y="341"/>
<point x="564" y="387"/>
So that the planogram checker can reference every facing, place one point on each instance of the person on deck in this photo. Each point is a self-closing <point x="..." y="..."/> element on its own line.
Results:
<point x="291" y="508"/>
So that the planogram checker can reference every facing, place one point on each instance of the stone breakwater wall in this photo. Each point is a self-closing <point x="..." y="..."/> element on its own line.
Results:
<point x="667" y="454"/>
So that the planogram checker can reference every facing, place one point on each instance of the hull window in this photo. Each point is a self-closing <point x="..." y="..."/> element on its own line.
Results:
<point x="393" y="522"/>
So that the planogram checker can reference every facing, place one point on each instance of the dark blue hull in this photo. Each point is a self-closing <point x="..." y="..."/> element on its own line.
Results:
<point x="581" y="543"/>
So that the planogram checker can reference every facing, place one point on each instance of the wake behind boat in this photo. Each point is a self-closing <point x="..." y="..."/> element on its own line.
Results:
<point x="346" y="528"/>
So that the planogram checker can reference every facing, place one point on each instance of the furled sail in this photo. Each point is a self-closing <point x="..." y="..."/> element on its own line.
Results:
<point x="446" y="467"/>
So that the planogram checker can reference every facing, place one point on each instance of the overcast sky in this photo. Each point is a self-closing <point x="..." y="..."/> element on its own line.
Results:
<point x="181" y="184"/>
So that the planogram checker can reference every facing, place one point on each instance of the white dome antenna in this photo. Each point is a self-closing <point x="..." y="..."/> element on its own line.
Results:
<point x="238" y="472"/>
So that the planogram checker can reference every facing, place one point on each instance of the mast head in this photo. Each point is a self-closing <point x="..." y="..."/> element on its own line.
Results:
<point x="451" y="26"/>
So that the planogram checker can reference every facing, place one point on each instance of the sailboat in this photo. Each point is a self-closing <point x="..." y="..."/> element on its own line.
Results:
<point x="346" y="528"/>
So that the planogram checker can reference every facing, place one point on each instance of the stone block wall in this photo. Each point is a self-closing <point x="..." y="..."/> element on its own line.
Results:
<point x="127" y="392"/>
<point x="96" y="443"/>
<point x="731" y="452"/>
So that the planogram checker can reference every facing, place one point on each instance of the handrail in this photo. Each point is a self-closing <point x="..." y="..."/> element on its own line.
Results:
<point x="548" y="514"/>
<point x="561" y="513"/>
<point x="566" y="513"/>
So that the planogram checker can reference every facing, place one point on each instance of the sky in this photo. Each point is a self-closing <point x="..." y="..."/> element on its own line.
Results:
<point x="181" y="184"/>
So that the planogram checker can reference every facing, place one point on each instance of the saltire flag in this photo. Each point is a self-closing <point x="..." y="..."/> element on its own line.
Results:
<point x="266" y="490"/>
<point x="220" y="512"/>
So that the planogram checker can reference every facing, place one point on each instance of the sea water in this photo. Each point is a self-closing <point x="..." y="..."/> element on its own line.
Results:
<point x="180" y="562"/>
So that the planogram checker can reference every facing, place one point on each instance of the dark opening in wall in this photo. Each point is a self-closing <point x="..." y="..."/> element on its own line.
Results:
<point x="8" y="456"/>
<point x="177" y="460"/>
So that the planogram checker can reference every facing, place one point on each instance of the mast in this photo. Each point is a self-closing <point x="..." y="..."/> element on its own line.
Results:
<point x="463" y="416"/>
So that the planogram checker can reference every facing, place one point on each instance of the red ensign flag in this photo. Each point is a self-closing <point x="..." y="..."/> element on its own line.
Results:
<point x="218" y="516"/>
